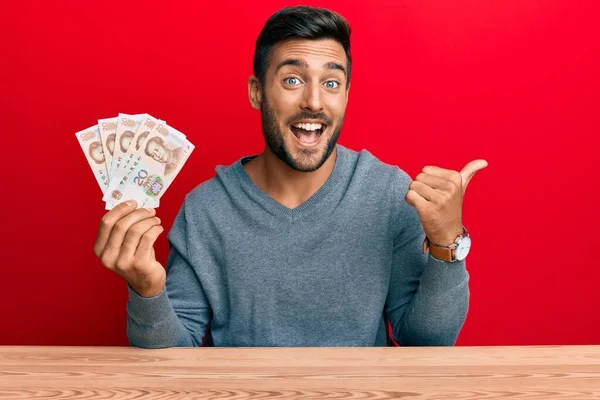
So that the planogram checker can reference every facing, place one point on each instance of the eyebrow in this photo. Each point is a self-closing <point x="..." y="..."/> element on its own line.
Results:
<point x="301" y="63"/>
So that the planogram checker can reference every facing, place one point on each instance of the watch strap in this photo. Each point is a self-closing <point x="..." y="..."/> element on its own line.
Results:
<point x="441" y="253"/>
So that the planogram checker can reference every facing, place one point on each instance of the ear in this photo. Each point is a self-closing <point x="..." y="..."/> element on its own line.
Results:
<point x="254" y="92"/>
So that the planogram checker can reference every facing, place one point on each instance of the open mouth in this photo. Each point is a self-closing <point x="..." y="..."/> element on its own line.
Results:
<point x="308" y="132"/>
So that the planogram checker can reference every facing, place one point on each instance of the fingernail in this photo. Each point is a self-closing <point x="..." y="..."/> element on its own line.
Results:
<point x="150" y="209"/>
<point x="130" y="203"/>
<point x="157" y="219"/>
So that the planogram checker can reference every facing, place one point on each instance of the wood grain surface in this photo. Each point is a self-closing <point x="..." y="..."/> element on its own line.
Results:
<point x="538" y="372"/>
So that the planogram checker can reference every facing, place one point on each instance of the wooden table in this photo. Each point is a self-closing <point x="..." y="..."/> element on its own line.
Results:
<point x="540" y="372"/>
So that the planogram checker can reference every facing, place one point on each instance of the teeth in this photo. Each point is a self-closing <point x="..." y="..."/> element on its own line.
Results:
<point x="309" y="127"/>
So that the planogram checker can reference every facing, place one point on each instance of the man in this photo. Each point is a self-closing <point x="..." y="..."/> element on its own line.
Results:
<point x="157" y="149"/>
<point x="308" y="243"/>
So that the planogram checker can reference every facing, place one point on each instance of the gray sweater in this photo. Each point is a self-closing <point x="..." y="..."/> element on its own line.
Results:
<point x="327" y="273"/>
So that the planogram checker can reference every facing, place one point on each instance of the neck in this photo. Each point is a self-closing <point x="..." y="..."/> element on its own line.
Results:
<point x="283" y="183"/>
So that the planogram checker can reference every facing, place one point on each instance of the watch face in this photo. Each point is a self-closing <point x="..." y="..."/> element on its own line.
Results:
<point x="463" y="248"/>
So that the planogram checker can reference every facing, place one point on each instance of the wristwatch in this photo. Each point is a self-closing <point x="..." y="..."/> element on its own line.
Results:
<point x="457" y="251"/>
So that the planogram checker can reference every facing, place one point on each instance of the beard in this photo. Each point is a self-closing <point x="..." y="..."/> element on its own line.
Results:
<point x="274" y="138"/>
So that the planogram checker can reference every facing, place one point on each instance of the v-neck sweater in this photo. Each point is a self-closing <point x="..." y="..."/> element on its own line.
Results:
<point x="245" y="270"/>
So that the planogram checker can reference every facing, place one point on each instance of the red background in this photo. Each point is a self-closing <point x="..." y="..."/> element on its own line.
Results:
<point x="434" y="82"/>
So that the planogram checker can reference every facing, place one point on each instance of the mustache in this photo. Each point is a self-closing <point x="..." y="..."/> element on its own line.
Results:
<point x="305" y="115"/>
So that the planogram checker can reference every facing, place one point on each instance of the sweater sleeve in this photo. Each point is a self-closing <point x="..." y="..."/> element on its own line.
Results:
<point x="180" y="314"/>
<point x="428" y="298"/>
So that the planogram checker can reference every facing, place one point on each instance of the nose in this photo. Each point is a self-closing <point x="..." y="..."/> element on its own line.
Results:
<point x="311" y="100"/>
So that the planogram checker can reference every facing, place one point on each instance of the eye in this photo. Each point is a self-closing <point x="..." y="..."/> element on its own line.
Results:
<point x="292" y="81"/>
<point x="332" y="84"/>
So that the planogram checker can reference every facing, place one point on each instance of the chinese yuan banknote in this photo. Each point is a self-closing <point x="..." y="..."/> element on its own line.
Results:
<point x="126" y="127"/>
<point x="152" y="169"/>
<point x="134" y="157"/>
<point x="91" y="144"/>
<point x="108" y="132"/>
<point x="139" y="139"/>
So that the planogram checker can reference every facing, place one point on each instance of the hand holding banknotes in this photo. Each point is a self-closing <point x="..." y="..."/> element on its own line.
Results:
<point x="134" y="158"/>
<point x="125" y="245"/>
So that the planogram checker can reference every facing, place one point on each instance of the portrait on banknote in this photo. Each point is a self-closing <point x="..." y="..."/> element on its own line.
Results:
<point x="159" y="150"/>
<point x="96" y="152"/>
<point x="110" y="143"/>
<point x="125" y="140"/>
<point x="141" y="139"/>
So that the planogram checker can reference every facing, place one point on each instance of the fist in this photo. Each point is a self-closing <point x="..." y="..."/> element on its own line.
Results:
<point x="437" y="195"/>
<point x="125" y="243"/>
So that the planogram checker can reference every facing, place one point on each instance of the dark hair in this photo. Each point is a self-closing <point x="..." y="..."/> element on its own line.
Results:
<point x="300" y="22"/>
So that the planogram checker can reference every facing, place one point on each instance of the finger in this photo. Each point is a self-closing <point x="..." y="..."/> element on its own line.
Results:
<point x="425" y="191"/>
<point x="447" y="174"/>
<point x="415" y="199"/>
<point x="120" y="228"/>
<point x="146" y="247"/>
<point x="108" y="221"/>
<point x="134" y="235"/>
<point x="436" y="182"/>
<point x="469" y="170"/>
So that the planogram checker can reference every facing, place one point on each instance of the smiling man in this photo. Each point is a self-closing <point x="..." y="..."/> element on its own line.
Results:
<point x="308" y="243"/>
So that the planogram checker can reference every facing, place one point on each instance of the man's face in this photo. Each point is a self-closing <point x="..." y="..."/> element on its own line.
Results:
<point x="158" y="151"/>
<point x="304" y="101"/>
